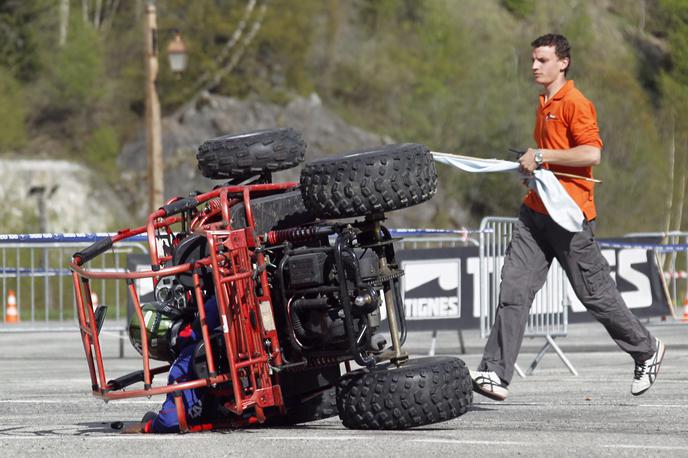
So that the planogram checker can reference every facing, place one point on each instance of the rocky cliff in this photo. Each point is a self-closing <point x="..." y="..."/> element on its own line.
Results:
<point x="326" y="134"/>
<point x="78" y="201"/>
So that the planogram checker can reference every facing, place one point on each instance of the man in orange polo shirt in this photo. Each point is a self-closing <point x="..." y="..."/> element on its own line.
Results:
<point x="568" y="140"/>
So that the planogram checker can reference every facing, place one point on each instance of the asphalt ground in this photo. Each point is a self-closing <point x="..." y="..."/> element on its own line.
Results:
<point x="46" y="407"/>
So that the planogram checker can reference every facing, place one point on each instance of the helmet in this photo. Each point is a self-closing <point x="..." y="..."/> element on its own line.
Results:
<point x="162" y="324"/>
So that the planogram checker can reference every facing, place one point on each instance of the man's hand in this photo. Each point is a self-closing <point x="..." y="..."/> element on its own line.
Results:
<point x="527" y="162"/>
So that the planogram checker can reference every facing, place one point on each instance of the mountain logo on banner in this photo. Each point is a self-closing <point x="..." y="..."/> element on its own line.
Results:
<point x="431" y="288"/>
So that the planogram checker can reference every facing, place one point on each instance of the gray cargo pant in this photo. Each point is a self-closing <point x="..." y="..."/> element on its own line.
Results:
<point x="536" y="240"/>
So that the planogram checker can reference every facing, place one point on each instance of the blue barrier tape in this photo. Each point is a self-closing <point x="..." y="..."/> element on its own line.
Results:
<point x="38" y="271"/>
<point x="93" y="237"/>
<point x="77" y="237"/>
<point x="414" y="232"/>
<point x="645" y="246"/>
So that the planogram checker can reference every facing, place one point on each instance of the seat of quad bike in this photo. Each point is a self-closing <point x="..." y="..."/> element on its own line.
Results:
<point x="278" y="211"/>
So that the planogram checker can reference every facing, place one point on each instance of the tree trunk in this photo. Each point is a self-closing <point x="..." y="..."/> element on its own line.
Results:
<point x="97" y="13"/>
<point x="234" y="39"/>
<point x="672" y="161"/>
<point x="239" y="53"/>
<point x="84" y="10"/>
<point x="64" y="22"/>
<point x="680" y="203"/>
<point x="156" y="189"/>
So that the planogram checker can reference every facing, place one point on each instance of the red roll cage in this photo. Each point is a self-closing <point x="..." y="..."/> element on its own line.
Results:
<point x="245" y="312"/>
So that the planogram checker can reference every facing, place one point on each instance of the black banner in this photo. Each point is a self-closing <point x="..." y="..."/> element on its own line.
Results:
<point x="441" y="287"/>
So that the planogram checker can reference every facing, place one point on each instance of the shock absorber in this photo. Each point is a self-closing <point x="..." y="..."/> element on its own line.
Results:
<point x="298" y="234"/>
<point x="214" y="203"/>
<point x="322" y="361"/>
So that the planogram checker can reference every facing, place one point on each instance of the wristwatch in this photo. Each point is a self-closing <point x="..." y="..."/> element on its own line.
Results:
<point x="538" y="157"/>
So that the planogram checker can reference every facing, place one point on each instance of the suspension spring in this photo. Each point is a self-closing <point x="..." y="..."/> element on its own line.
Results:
<point x="322" y="361"/>
<point x="214" y="204"/>
<point x="297" y="234"/>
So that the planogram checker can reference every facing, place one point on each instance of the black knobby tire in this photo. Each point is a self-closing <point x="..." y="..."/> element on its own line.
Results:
<point x="421" y="392"/>
<point x="250" y="153"/>
<point x="368" y="182"/>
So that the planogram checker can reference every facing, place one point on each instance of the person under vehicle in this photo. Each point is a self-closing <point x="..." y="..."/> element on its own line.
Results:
<point x="200" y="407"/>
<point x="568" y="140"/>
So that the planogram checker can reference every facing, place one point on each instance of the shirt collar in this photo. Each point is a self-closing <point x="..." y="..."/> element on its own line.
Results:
<point x="565" y="89"/>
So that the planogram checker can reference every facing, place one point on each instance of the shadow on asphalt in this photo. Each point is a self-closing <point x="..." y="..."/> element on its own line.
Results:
<point x="89" y="428"/>
<point x="82" y="429"/>
<point x="475" y="408"/>
<point x="101" y="427"/>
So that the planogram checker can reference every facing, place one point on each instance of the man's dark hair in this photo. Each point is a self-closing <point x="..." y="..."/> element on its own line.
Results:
<point x="562" y="48"/>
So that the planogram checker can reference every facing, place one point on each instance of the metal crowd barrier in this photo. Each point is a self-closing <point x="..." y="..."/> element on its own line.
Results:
<point x="549" y="313"/>
<point x="34" y="268"/>
<point x="413" y="239"/>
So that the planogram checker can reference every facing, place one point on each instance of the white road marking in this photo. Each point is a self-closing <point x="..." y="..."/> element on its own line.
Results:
<point x="118" y="436"/>
<point x="677" y="406"/>
<point x="186" y="437"/>
<point x="577" y="403"/>
<point x="317" y="438"/>
<point x="33" y="401"/>
<point x="647" y="447"/>
<point x="477" y="442"/>
<point x="470" y="442"/>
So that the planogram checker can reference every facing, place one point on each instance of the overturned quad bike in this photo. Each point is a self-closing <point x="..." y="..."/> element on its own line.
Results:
<point x="299" y="295"/>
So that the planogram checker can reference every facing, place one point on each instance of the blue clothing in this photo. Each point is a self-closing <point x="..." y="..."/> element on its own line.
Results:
<point x="181" y="371"/>
<point x="197" y="404"/>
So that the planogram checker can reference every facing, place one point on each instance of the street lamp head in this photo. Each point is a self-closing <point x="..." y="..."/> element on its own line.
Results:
<point x="37" y="191"/>
<point x="177" y="54"/>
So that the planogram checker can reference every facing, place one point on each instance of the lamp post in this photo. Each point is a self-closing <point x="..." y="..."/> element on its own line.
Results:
<point x="153" y="130"/>
<point x="178" y="59"/>
<point x="42" y="193"/>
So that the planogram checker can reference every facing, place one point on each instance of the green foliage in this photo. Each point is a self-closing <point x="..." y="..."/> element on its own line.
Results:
<point x="673" y="85"/>
<point x="453" y="74"/>
<point x="442" y="80"/>
<point x="679" y="52"/>
<point x="101" y="150"/>
<point x="519" y="8"/>
<point x="458" y="80"/>
<point x="281" y="50"/>
<point x="206" y="26"/>
<point x="18" y="41"/>
<point x="378" y="15"/>
<point x="12" y="113"/>
<point x="279" y="53"/>
<point x="673" y="12"/>
<point x="20" y="218"/>
<point x="77" y="72"/>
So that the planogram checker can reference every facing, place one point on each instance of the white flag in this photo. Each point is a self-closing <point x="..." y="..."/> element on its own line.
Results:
<point x="559" y="204"/>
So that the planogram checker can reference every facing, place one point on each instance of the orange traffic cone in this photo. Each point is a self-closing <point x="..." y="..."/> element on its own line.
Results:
<point x="11" y="313"/>
<point x="685" y="307"/>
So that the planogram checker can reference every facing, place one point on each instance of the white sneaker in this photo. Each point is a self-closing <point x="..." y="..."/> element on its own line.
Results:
<point x="645" y="373"/>
<point x="489" y="384"/>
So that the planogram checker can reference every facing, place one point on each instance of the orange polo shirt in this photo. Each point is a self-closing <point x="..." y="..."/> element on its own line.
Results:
<point x="564" y="121"/>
